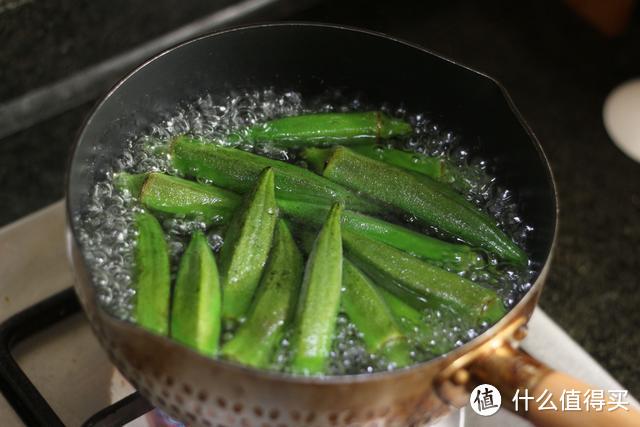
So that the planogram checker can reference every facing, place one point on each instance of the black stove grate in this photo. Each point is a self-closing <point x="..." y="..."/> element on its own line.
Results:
<point x="20" y="392"/>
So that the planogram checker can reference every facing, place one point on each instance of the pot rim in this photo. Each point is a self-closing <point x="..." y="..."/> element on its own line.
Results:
<point x="485" y="336"/>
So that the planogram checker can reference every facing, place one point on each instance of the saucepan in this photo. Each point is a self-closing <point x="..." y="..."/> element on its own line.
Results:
<point x="310" y="58"/>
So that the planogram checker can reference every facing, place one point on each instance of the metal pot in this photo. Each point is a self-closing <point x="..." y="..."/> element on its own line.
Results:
<point x="309" y="58"/>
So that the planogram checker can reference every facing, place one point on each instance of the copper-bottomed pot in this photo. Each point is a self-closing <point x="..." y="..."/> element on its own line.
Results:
<point x="310" y="58"/>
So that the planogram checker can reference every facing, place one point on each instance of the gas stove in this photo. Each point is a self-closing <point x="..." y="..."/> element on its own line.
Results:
<point x="54" y="372"/>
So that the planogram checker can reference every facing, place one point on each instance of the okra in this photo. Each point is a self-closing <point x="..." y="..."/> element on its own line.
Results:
<point x="213" y="205"/>
<point x="413" y="324"/>
<point x="152" y="276"/>
<point x="418" y="196"/>
<point x="455" y="256"/>
<point x="246" y="246"/>
<point x="410" y="318"/>
<point x="172" y="195"/>
<point x="404" y="274"/>
<point x="195" y="311"/>
<point x="319" y="301"/>
<point x="177" y="196"/>
<point x="436" y="168"/>
<point x="322" y="128"/>
<point x="273" y="306"/>
<point x="237" y="170"/>
<point x="130" y="182"/>
<point x="366" y="308"/>
<point x="317" y="159"/>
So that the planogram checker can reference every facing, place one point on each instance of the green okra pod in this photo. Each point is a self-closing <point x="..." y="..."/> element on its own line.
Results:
<point x="436" y="168"/>
<point x="177" y="196"/>
<point x="237" y="170"/>
<point x="213" y="205"/>
<point x="318" y="158"/>
<point x="257" y="338"/>
<point x="412" y="322"/>
<point x="322" y="128"/>
<point x="319" y="301"/>
<point x="410" y="317"/>
<point x="197" y="300"/>
<point x="455" y="256"/>
<point x="246" y="247"/>
<point x="366" y="308"/>
<point x="152" y="275"/>
<point x="422" y="198"/>
<point x="400" y="272"/>
<point x="433" y="167"/>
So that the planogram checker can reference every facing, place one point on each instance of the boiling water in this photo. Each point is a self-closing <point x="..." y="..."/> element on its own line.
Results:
<point x="108" y="237"/>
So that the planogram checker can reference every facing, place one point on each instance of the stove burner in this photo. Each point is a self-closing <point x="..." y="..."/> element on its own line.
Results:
<point x="20" y="392"/>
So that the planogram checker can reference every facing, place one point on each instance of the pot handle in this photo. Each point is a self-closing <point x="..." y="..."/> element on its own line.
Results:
<point x="513" y="372"/>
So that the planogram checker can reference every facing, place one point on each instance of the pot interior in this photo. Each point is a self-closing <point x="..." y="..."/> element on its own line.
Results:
<point x="309" y="59"/>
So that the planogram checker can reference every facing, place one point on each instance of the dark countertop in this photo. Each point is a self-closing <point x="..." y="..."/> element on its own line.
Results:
<point x="558" y="71"/>
<point x="66" y="35"/>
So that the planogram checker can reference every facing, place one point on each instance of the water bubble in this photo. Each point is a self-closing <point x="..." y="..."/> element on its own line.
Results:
<point x="108" y="236"/>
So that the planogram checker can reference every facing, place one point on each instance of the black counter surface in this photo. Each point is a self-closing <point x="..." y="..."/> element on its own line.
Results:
<point x="557" y="69"/>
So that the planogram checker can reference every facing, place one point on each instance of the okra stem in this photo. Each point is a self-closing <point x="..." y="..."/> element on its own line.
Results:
<point x="195" y="311"/>
<point x="130" y="182"/>
<point x="273" y="306"/>
<point x="456" y="256"/>
<point x="319" y="301"/>
<point x="399" y="271"/>
<point x="237" y="170"/>
<point x="419" y="196"/>
<point x="322" y="128"/>
<point x="246" y="247"/>
<point x="366" y="308"/>
<point x="316" y="158"/>
<point x="152" y="276"/>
